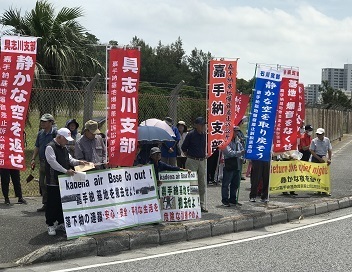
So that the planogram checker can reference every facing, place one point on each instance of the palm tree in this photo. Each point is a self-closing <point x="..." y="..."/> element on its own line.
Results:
<point x="64" y="58"/>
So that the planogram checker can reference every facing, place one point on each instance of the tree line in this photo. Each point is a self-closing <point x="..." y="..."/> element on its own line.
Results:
<point x="334" y="98"/>
<point x="68" y="56"/>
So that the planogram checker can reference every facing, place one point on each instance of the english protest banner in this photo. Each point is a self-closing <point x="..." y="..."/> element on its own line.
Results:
<point x="299" y="176"/>
<point x="108" y="200"/>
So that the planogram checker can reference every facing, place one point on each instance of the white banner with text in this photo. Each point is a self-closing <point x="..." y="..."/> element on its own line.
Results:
<point x="108" y="200"/>
<point x="179" y="200"/>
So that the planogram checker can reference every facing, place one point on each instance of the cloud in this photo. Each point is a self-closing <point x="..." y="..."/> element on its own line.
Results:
<point x="291" y="33"/>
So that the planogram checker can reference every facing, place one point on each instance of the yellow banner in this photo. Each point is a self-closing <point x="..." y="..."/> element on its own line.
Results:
<point x="299" y="176"/>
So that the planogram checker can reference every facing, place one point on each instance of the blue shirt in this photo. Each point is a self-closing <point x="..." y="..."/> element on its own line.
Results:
<point x="43" y="139"/>
<point x="162" y="166"/>
<point x="166" y="146"/>
<point x="194" y="144"/>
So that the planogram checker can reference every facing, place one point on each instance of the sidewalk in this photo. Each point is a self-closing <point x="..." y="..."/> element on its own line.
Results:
<point x="24" y="232"/>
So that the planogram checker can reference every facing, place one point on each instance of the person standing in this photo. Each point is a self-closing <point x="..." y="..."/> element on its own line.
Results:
<point x="91" y="146"/>
<point x="73" y="126"/>
<point x="57" y="161"/>
<point x="319" y="148"/>
<point x="45" y="136"/>
<point x="259" y="173"/>
<point x="212" y="164"/>
<point x="305" y="142"/>
<point x="168" y="149"/>
<point x="232" y="170"/>
<point x="242" y="139"/>
<point x="194" y="148"/>
<point x="181" y="157"/>
<point x="14" y="174"/>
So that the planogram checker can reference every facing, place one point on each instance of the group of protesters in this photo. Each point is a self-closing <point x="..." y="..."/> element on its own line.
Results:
<point x="58" y="150"/>
<point x="317" y="150"/>
<point x="185" y="153"/>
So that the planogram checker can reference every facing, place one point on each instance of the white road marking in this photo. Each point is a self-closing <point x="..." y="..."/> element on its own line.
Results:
<point x="209" y="246"/>
<point x="342" y="147"/>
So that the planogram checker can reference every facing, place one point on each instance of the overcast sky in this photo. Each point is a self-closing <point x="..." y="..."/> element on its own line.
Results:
<point x="308" y="34"/>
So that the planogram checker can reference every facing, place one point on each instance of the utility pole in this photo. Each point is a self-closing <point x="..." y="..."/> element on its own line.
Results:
<point x="174" y="101"/>
<point x="89" y="98"/>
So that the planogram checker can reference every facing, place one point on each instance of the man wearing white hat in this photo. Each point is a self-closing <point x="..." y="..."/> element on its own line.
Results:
<point x="57" y="161"/>
<point x="320" y="146"/>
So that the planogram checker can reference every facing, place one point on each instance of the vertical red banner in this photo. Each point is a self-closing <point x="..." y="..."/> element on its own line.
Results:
<point x="18" y="57"/>
<point x="123" y="74"/>
<point x="285" y="137"/>
<point x="221" y="105"/>
<point x="301" y="107"/>
<point x="241" y="104"/>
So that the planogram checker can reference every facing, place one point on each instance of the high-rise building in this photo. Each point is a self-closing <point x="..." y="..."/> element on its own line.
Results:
<point x="312" y="95"/>
<point x="347" y="83"/>
<point x="334" y="76"/>
<point x="339" y="78"/>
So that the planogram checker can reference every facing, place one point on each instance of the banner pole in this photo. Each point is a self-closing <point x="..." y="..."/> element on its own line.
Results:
<point x="247" y="128"/>
<point x="106" y="102"/>
<point x="206" y="134"/>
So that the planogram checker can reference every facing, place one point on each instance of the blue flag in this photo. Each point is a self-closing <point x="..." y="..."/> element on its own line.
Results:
<point x="263" y="113"/>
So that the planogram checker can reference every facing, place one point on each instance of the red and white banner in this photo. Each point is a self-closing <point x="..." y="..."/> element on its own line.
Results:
<point x="18" y="57"/>
<point x="123" y="74"/>
<point x="222" y="91"/>
<point x="285" y="137"/>
<point x="241" y="104"/>
<point x="301" y="107"/>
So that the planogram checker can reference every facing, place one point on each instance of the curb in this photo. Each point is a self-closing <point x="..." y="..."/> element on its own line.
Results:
<point x="151" y="235"/>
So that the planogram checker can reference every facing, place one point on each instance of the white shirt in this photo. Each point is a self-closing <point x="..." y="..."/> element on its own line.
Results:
<point x="51" y="159"/>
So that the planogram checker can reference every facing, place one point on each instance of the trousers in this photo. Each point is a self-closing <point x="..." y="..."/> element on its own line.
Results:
<point x="199" y="167"/>
<point x="14" y="174"/>
<point x="53" y="211"/>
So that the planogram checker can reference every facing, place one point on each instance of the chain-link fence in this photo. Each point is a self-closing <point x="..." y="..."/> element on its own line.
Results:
<point x="68" y="104"/>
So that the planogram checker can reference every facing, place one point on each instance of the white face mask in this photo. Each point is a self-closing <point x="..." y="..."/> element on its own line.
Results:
<point x="310" y="133"/>
<point x="301" y="130"/>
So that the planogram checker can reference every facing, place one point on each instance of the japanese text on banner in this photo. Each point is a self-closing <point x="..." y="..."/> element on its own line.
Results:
<point x="299" y="176"/>
<point x="222" y="90"/>
<point x="109" y="200"/>
<point x="301" y="107"/>
<point x="262" y="117"/>
<point x="18" y="57"/>
<point x="179" y="200"/>
<point x="285" y="137"/>
<point x="124" y="69"/>
<point x="241" y="103"/>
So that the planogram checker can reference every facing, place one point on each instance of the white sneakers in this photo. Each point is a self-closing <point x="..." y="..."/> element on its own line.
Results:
<point x="52" y="229"/>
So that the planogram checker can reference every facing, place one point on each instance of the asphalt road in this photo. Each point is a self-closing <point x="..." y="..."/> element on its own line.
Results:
<point x="319" y="243"/>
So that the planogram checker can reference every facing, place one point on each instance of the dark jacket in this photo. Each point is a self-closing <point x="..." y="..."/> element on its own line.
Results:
<point x="62" y="158"/>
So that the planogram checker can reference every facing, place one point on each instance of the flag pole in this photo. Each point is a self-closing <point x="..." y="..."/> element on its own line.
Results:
<point x="206" y="135"/>
<point x="253" y="88"/>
